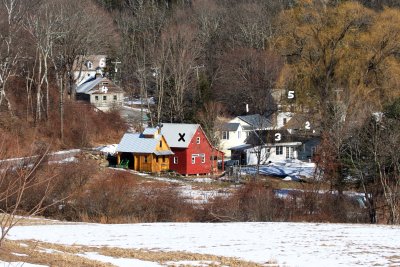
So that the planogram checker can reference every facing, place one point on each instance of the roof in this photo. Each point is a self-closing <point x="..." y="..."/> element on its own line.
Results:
<point x="178" y="134"/>
<point x="231" y="127"/>
<point x="137" y="143"/>
<point x="271" y="137"/>
<point x="299" y="122"/>
<point x="150" y="131"/>
<point x="240" y="147"/>
<point x="256" y="121"/>
<point x="87" y="86"/>
<point x="95" y="85"/>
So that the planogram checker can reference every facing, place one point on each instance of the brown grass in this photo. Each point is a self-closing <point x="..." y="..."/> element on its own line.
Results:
<point x="66" y="255"/>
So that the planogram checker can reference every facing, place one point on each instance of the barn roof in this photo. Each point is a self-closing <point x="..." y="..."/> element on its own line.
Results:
<point x="178" y="134"/>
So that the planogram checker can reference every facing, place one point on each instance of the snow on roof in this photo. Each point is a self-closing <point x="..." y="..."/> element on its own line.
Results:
<point x="150" y="131"/>
<point x="100" y="85"/>
<point x="87" y="86"/>
<point x="136" y="143"/>
<point x="179" y="134"/>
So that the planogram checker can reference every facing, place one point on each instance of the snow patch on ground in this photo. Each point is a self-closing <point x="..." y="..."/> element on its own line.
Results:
<point x="107" y="149"/>
<point x="292" y="244"/>
<point x="192" y="263"/>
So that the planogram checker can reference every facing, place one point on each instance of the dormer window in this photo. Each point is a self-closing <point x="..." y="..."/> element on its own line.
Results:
<point x="89" y="65"/>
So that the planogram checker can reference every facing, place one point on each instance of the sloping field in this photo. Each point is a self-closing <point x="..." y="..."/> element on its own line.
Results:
<point x="288" y="244"/>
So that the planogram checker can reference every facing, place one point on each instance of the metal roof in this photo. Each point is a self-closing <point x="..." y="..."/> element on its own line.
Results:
<point x="150" y="131"/>
<point x="178" y="134"/>
<point x="137" y="143"/>
<point x="87" y="86"/>
<point x="256" y="121"/>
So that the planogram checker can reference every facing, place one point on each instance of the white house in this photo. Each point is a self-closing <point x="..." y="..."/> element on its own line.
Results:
<point x="232" y="134"/>
<point x="266" y="146"/>
<point x="101" y="92"/>
<point x="87" y="67"/>
<point x="235" y="132"/>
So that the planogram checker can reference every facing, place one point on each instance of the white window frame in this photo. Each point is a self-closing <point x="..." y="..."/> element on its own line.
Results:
<point x="194" y="156"/>
<point x="197" y="140"/>
<point x="104" y="98"/>
<point x="279" y="150"/>
<point x="175" y="160"/>
<point x="203" y="158"/>
<point x="225" y="135"/>
<point x="239" y="134"/>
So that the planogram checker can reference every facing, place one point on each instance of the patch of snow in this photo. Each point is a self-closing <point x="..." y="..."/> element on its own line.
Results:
<point x="50" y="250"/>
<point x="293" y="169"/>
<point x="292" y="244"/>
<point x="108" y="149"/>
<point x="66" y="152"/>
<point x="19" y="254"/>
<point x="118" y="261"/>
<point x="192" y="263"/>
<point x="203" y="180"/>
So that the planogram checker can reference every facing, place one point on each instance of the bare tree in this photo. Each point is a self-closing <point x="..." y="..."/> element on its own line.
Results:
<point x="11" y="12"/>
<point x="18" y="183"/>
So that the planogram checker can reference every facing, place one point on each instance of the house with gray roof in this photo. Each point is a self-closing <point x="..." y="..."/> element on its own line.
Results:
<point x="101" y="92"/>
<point x="235" y="132"/>
<point x="145" y="152"/>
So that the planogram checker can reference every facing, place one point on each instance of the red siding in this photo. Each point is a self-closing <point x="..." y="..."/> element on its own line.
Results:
<point x="185" y="165"/>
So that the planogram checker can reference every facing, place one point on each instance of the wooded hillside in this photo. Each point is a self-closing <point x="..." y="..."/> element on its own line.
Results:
<point x="201" y="59"/>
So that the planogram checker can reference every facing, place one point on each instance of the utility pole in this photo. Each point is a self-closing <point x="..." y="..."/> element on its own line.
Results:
<point x="198" y="78"/>
<point x="158" y="90"/>
<point x="197" y="70"/>
<point x="141" y="97"/>
<point x="116" y="62"/>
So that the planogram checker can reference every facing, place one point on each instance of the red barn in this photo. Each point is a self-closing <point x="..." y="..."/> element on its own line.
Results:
<point x="193" y="152"/>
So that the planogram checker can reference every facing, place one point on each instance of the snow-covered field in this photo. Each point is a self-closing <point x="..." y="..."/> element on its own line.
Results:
<point x="289" y="244"/>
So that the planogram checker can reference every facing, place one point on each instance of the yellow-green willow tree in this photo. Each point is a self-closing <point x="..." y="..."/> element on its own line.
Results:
<point x="342" y="62"/>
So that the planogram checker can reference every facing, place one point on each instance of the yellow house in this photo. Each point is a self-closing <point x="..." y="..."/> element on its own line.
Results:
<point x="145" y="152"/>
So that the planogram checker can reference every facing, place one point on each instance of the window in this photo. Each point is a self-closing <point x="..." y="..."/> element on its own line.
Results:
<point x="225" y="135"/>
<point x="115" y="97"/>
<point x="156" y="158"/>
<point x="279" y="150"/>
<point x="239" y="134"/>
<point x="203" y="158"/>
<point x="198" y="140"/>
<point x="194" y="156"/>
<point x="163" y="158"/>
<point x="96" y="98"/>
<point x="160" y="143"/>
<point x="104" y="97"/>
<point x="288" y="152"/>
<point x="284" y="121"/>
<point x="145" y="159"/>
<point x="175" y="160"/>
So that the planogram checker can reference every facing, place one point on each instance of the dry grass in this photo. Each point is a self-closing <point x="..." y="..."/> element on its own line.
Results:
<point x="67" y="255"/>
